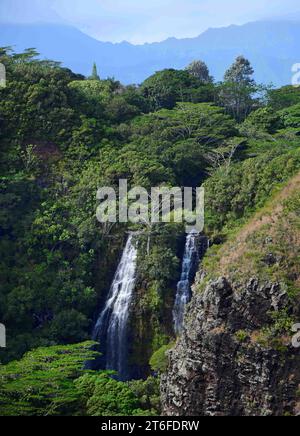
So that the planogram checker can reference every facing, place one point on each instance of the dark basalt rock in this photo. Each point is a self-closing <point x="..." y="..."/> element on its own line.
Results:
<point x="211" y="372"/>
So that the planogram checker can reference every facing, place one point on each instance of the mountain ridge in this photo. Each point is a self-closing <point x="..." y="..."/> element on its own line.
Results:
<point x="271" y="46"/>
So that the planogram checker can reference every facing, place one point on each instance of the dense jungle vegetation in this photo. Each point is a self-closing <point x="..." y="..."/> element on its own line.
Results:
<point x="62" y="136"/>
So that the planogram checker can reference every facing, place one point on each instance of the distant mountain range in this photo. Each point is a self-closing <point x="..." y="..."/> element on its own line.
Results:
<point x="272" y="47"/>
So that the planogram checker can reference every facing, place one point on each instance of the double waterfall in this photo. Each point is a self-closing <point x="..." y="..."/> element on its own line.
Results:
<point x="111" y="329"/>
<point x="112" y="323"/>
<point x="191" y="258"/>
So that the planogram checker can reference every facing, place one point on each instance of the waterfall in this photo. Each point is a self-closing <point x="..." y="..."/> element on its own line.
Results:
<point x="113" y="320"/>
<point x="190" y="262"/>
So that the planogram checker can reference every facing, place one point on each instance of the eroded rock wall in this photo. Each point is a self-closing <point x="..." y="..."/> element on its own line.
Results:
<point x="221" y="367"/>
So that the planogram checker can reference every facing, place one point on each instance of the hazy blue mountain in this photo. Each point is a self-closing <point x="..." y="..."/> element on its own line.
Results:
<point x="272" y="46"/>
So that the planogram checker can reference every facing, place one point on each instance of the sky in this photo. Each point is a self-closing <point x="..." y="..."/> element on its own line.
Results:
<point x="140" y="21"/>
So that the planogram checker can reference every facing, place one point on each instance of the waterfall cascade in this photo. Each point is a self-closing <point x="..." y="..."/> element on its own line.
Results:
<point x="111" y="326"/>
<point x="195" y="248"/>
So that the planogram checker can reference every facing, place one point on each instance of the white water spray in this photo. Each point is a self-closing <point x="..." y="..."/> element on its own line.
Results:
<point x="184" y="292"/>
<point x="113" y="321"/>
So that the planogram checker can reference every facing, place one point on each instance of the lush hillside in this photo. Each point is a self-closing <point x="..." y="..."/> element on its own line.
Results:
<point x="271" y="46"/>
<point x="63" y="136"/>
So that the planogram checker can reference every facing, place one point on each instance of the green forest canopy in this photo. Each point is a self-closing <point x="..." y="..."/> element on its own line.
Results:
<point x="63" y="136"/>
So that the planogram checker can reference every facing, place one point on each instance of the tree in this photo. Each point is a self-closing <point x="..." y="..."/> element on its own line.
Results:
<point x="42" y="383"/>
<point x="118" y="110"/>
<point x="200" y="70"/>
<point x="148" y="393"/>
<point x="263" y="120"/>
<point x="164" y="88"/>
<point x="159" y="360"/>
<point x="240" y="72"/>
<point x="233" y="195"/>
<point x="94" y="75"/>
<point x="223" y="156"/>
<point x="237" y="91"/>
<point x="284" y="97"/>
<point x="105" y="396"/>
<point x="290" y="117"/>
<point x="90" y="96"/>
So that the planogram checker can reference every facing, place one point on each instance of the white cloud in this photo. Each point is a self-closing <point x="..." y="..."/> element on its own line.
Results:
<point x="141" y="20"/>
<point x="28" y="11"/>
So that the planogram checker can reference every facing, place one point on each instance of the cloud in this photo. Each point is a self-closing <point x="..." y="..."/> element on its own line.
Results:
<point x="148" y="20"/>
<point x="28" y="11"/>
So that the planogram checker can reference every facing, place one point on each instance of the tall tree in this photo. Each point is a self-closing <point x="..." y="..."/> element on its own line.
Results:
<point x="200" y="70"/>
<point x="240" y="72"/>
<point x="239" y="87"/>
<point x="95" y="75"/>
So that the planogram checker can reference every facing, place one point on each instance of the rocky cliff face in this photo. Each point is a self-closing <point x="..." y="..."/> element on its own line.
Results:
<point x="225" y="363"/>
